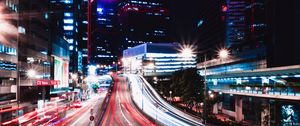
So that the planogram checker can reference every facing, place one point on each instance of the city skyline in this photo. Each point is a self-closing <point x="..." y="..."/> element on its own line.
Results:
<point x="145" y="62"/>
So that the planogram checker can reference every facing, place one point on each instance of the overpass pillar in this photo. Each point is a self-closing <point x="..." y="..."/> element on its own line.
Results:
<point x="215" y="108"/>
<point x="239" y="109"/>
<point x="265" y="113"/>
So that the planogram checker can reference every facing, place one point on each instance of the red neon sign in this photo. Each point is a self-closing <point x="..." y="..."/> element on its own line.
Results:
<point x="46" y="82"/>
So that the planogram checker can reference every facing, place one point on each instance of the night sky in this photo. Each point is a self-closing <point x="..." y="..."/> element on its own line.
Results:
<point x="186" y="15"/>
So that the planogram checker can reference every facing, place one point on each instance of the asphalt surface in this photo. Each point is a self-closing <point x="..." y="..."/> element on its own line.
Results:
<point x="121" y="111"/>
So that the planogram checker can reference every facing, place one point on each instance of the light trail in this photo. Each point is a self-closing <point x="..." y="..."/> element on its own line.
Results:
<point x="149" y="100"/>
<point x="121" y="110"/>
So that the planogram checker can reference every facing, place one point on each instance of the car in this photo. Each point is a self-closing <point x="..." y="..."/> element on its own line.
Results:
<point x="76" y="104"/>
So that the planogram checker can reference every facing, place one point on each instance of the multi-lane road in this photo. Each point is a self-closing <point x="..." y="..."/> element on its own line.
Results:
<point x="157" y="108"/>
<point x="133" y="102"/>
<point x="121" y="111"/>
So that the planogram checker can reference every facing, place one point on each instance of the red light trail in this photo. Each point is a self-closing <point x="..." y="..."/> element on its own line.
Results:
<point x="121" y="111"/>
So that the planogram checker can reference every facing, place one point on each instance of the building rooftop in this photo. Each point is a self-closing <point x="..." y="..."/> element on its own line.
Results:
<point x="152" y="48"/>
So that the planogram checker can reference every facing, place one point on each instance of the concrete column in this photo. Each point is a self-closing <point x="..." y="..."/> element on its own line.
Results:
<point x="265" y="114"/>
<point x="239" y="109"/>
<point x="215" y="108"/>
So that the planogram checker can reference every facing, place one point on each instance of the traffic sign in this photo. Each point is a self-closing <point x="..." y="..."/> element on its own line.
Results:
<point x="92" y="118"/>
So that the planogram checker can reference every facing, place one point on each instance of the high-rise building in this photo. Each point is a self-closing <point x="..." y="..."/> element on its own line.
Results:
<point x="245" y="25"/>
<point x="34" y="56"/>
<point x="82" y="36"/>
<point x="8" y="57"/>
<point x="143" y="21"/>
<point x="65" y="14"/>
<point x="235" y="22"/>
<point x="104" y="33"/>
<point x="34" y="61"/>
<point x="283" y="32"/>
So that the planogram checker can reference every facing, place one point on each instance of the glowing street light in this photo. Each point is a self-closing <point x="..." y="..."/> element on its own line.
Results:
<point x="211" y="95"/>
<point x="74" y="76"/>
<point x="223" y="53"/>
<point x="31" y="73"/>
<point x="187" y="52"/>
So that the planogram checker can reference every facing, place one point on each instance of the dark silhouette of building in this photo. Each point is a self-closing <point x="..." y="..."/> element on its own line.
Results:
<point x="104" y="32"/>
<point x="282" y="38"/>
<point x="143" y="21"/>
<point x="82" y="17"/>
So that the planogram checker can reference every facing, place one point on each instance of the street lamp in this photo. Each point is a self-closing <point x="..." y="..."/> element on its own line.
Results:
<point x="116" y="65"/>
<point x="223" y="53"/>
<point x="170" y="92"/>
<point x="74" y="76"/>
<point x="211" y="95"/>
<point x="187" y="52"/>
<point x="31" y="73"/>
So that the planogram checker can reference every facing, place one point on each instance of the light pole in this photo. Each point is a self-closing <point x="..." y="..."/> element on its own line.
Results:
<point x="170" y="92"/>
<point x="116" y="65"/>
<point x="223" y="54"/>
<point x="74" y="77"/>
<point x="205" y="93"/>
<point x="142" y="96"/>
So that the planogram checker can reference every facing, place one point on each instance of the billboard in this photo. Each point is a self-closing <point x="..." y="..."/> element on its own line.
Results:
<point x="290" y="114"/>
<point x="61" y="72"/>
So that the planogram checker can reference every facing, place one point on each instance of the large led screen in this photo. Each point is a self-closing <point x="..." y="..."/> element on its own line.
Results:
<point x="61" y="72"/>
<point x="290" y="115"/>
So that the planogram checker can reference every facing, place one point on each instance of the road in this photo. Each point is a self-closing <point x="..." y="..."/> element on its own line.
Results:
<point x="121" y="111"/>
<point x="81" y="116"/>
<point x="157" y="108"/>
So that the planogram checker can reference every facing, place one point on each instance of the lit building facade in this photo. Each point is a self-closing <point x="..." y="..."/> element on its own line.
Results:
<point x="156" y="59"/>
<point x="34" y="60"/>
<point x="29" y="54"/>
<point x="143" y="21"/>
<point x="66" y="17"/>
<point x="8" y="57"/>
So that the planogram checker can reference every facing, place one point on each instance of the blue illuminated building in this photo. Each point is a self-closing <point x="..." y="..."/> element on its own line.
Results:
<point x="156" y="59"/>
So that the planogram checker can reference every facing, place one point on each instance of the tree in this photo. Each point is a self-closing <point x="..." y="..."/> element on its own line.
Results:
<point x="188" y="85"/>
